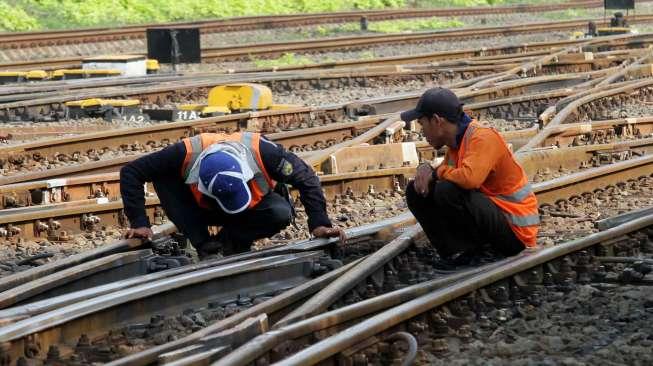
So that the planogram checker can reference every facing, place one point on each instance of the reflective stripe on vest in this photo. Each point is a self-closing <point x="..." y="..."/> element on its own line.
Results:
<point x="528" y="220"/>
<point x="197" y="148"/>
<point x="519" y="206"/>
<point x="518" y="195"/>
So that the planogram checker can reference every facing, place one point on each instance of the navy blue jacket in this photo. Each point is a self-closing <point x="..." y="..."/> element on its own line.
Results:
<point x="167" y="163"/>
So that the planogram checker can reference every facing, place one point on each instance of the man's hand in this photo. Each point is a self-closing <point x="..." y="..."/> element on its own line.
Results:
<point x="330" y="232"/>
<point x="423" y="178"/>
<point x="140" y="232"/>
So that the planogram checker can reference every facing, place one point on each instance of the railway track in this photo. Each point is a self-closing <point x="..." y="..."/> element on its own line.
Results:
<point x="17" y="333"/>
<point x="260" y="50"/>
<point x="46" y="38"/>
<point x="434" y="317"/>
<point x="377" y="299"/>
<point x="83" y="154"/>
<point x="102" y="187"/>
<point x="60" y="207"/>
<point x="45" y="101"/>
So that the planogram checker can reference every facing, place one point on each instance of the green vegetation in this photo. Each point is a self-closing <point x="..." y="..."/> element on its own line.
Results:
<point x="15" y="18"/>
<point x="388" y="26"/>
<point x="287" y="59"/>
<point x="22" y="15"/>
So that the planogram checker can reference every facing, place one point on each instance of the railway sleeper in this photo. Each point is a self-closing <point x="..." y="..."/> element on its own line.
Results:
<point x="454" y="321"/>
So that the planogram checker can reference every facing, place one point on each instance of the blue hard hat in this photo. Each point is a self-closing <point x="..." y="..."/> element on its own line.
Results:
<point x="222" y="177"/>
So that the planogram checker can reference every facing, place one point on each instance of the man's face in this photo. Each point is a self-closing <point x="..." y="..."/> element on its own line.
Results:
<point x="433" y="131"/>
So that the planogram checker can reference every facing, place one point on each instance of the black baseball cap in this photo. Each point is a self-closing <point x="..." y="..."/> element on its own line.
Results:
<point x="440" y="101"/>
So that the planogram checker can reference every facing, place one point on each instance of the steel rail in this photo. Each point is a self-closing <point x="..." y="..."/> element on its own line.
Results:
<point x="302" y="78"/>
<point x="80" y="188"/>
<point x="349" y="42"/>
<point x="43" y="38"/>
<point x="551" y="191"/>
<point x="393" y="316"/>
<point x="568" y="133"/>
<point x="336" y="289"/>
<point x="14" y="95"/>
<point x="305" y="78"/>
<point x="72" y="317"/>
<point x="261" y="121"/>
<point x="269" y="307"/>
<point x="339" y="43"/>
<point x="623" y="73"/>
<point x="21" y="278"/>
<point x="26" y="278"/>
<point x="258" y="346"/>
<point x="530" y="65"/>
<point x="568" y="158"/>
<point x="583" y="156"/>
<point x="464" y="57"/>
<point x="38" y="104"/>
<point x="99" y="298"/>
<point x="570" y="111"/>
<point x="37" y="287"/>
<point x="422" y="288"/>
<point x="69" y="220"/>
<point x="67" y="217"/>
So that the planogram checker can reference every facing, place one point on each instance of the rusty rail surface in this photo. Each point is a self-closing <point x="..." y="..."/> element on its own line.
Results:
<point x="245" y="52"/>
<point x="134" y="292"/>
<point x="417" y="305"/>
<point x="500" y="100"/>
<point x="58" y="37"/>
<point x="592" y="104"/>
<point x="46" y="102"/>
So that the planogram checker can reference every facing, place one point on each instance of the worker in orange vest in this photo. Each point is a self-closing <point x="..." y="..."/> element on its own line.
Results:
<point x="235" y="181"/>
<point x="479" y="196"/>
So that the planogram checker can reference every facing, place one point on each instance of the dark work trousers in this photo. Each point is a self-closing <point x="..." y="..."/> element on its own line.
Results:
<point x="458" y="220"/>
<point x="269" y="217"/>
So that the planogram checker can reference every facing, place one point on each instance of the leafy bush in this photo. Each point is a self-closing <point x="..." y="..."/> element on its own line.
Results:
<point x="84" y="13"/>
<point x="50" y="14"/>
<point x="14" y="18"/>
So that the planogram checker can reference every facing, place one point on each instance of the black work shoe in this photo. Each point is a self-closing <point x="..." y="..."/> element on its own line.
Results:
<point x="455" y="261"/>
<point x="203" y="257"/>
<point x="209" y="250"/>
<point x="444" y="264"/>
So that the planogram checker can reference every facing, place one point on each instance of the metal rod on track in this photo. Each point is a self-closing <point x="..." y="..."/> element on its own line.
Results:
<point x="389" y="318"/>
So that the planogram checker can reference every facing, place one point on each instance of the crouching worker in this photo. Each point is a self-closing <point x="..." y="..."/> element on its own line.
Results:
<point x="479" y="196"/>
<point x="228" y="181"/>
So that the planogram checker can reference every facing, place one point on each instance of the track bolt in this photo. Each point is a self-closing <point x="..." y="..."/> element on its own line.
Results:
<point x="32" y="347"/>
<point x="465" y="333"/>
<point x="440" y="346"/>
<point x="53" y="356"/>
<point x="41" y="227"/>
<point x="484" y="322"/>
<point x="83" y="343"/>
<point x="440" y="328"/>
<point x="5" y="357"/>
<point x="54" y="225"/>
<point x="89" y="221"/>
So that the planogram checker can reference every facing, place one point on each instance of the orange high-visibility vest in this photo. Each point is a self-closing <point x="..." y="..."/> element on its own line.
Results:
<point x="517" y="201"/>
<point x="259" y="186"/>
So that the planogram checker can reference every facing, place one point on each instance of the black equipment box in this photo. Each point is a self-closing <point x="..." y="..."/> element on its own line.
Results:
<point x="619" y="4"/>
<point x="174" y="45"/>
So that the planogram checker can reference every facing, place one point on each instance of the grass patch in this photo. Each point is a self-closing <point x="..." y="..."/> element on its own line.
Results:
<point x="14" y="18"/>
<point x="287" y="59"/>
<point x="21" y="15"/>
<point x="389" y="26"/>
